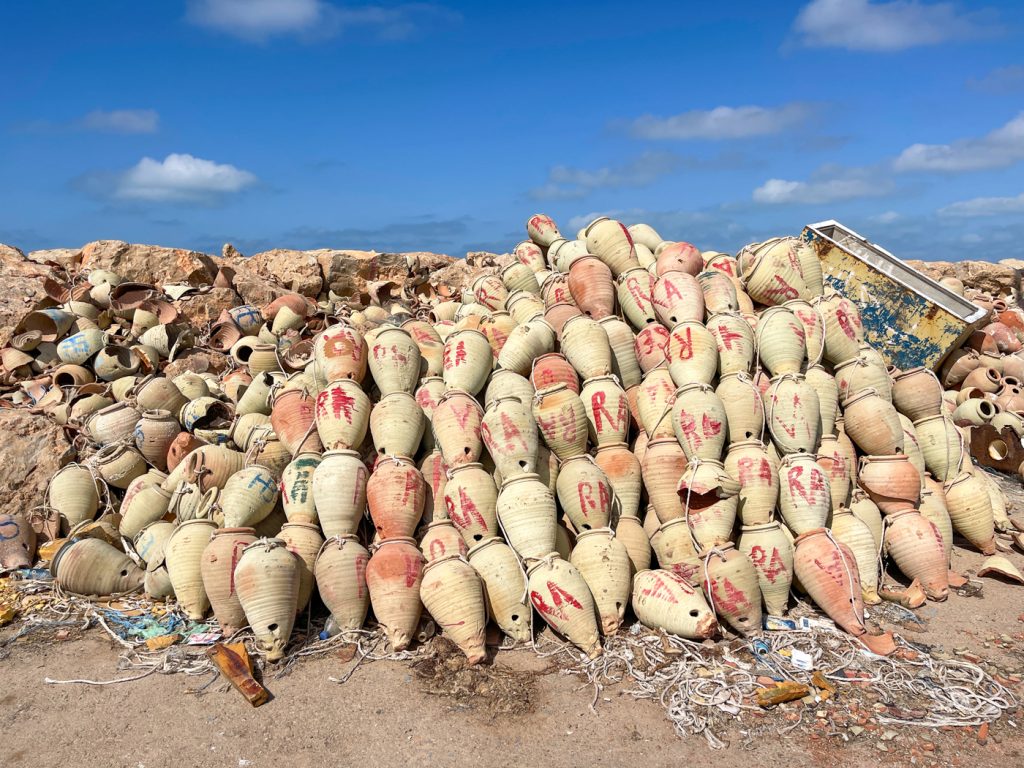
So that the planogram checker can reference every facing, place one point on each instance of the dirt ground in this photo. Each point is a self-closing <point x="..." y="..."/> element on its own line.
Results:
<point x="404" y="714"/>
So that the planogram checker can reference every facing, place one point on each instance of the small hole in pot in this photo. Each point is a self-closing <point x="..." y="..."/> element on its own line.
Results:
<point x="998" y="450"/>
<point x="585" y="526"/>
<point x="515" y="617"/>
<point x="467" y="450"/>
<point x="477" y="536"/>
<point x="124" y="572"/>
<point x="694" y="613"/>
<point x="522" y="464"/>
<point x="272" y="627"/>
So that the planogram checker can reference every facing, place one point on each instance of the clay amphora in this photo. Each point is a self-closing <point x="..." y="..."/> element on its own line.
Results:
<point x="393" y="576"/>
<point x="604" y="563"/>
<point x="470" y="501"/>
<point x="217" y="568"/>
<point x="504" y="587"/>
<point x="340" y="573"/>
<point x="267" y="580"/>
<point x="339" y="492"/>
<point x="562" y="598"/>
<point x="663" y="600"/>
<point x="770" y="551"/>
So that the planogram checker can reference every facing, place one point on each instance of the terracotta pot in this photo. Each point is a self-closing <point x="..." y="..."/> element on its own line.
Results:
<point x="434" y="471"/>
<point x="959" y="363"/>
<point x="249" y="496"/>
<point x="584" y="493"/>
<point x="941" y="445"/>
<point x="610" y="241"/>
<point x="184" y="556"/>
<point x="509" y="433"/>
<point x="635" y="291"/>
<point x="143" y="504"/>
<point x="731" y="583"/>
<point x="525" y="343"/>
<point x="891" y="482"/>
<point x="662" y="466"/>
<point x="506" y="384"/>
<point x="622" y="469"/>
<point x="592" y="288"/>
<point x="873" y="424"/>
<point x="453" y="593"/>
<point x="397" y="424"/>
<point x="217" y="568"/>
<point x="850" y="530"/>
<point x="394" y="360"/>
<point x="604" y="563"/>
<point x="340" y="352"/>
<point x="622" y="343"/>
<point x="844" y="331"/>
<point x="442" y="539"/>
<point x="267" y="580"/>
<point x="470" y="501"/>
<point x="970" y="510"/>
<point x="771" y="274"/>
<point x="749" y="463"/>
<point x="678" y="257"/>
<point x="663" y="600"/>
<point x="74" y="493"/>
<point x="719" y="292"/>
<point x="691" y="354"/>
<point x="710" y="498"/>
<point x="804" y="496"/>
<point x="827" y="570"/>
<point x="586" y="347"/>
<point x="861" y="373"/>
<point x="113" y="424"/>
<point x="630" y="532"/>
<point x="393" y="576"/>
<point x="793" y="414"/>
<point x="551" y="369"/>
<point x="735" y="342"/>
<point x="770" y="551"/>
<point x="297" y="488"/>
<point x="154" y="434"/>
<point x="678" y="297"/>
<point x="562" y="598"/>
<point x="917" y="393"/>
<point x="457" y="428"/>
<point x="654" y="403"/>
<point x="986" y="379"/>
<point x="339" y="492"/>
<point x="294" y="420"/>
<point x="650" y="347"/>
<point x="304" y="541"/>
<point x="814" y="328"/>
<point x="781" y="341"/>
<point x="468" y="360"/>
<point x="562" y="420"/>
<point x="91" y="566"/>
<point x="828" y="397"/>
<point x="118" y="465"/>
<point x="395" y="493"/>
<point x="699" y="421"/>
<point x="833" y="463"/>
<point x="744" y="408"/>
<point x="674" y="544"/>
<point x="17" y="543"/>
<point x="933" y="508"/>
<point x="340" y="573"/>
<point x="528" y="516"/>
<point x="916" y="546"/>
<point x="504" y="587"/>
<point x="342" y="415"/>
<point x="607" y="410"/>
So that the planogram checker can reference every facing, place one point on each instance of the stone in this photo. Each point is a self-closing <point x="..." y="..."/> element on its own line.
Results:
<point x="22" y="293"/>
<point x="228" y="251"/>
<point x="986" y="276"/>
<point x="150" y="263"/>
<point x="202" y="308"/>
<point x="67" y="258"/>
<point x="197" y="361"/>
<point x="32" y="451"/>
<point x="297" y="271"/>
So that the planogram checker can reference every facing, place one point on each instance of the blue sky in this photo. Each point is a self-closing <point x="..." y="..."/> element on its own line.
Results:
<point x="318" y="123"/>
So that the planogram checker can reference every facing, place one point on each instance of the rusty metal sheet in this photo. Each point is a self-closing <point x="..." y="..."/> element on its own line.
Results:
<point x="908" y="317"/>
<point x="995" y="449"/>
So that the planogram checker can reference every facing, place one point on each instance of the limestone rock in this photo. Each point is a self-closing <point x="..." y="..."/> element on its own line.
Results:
<point x="22" y="293"/>
<point x="230" y="252"/>
<point x="32" y="451"/>
<point x="202" y="308"/>
<point x="985" y="276"/>
<point x="297" y="271"/>
<point x="150" y="263"/>
<point x="67" y="258"/>
<point x="197" y="361"/>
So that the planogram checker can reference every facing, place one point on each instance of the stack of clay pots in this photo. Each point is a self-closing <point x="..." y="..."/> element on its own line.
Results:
<point x="607" y="425"/>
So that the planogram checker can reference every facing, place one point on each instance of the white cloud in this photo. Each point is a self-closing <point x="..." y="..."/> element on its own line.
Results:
<point x="826" y="185"/>
<point x="722" y="122"/>
<point x="984" y="206"/>
<point x="1001" y="80"/>
<point x="889" y="217"/>
<point x="861" y="25"/>
<point x="568" y="183"/>
<point x="121" y="121"/>
<point x="258" y="20"/>
<point x="180" y="178"/>
<point x="1001" y="148"/>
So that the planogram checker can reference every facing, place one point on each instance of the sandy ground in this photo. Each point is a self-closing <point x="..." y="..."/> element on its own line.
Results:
<point x="388" y="715"/>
